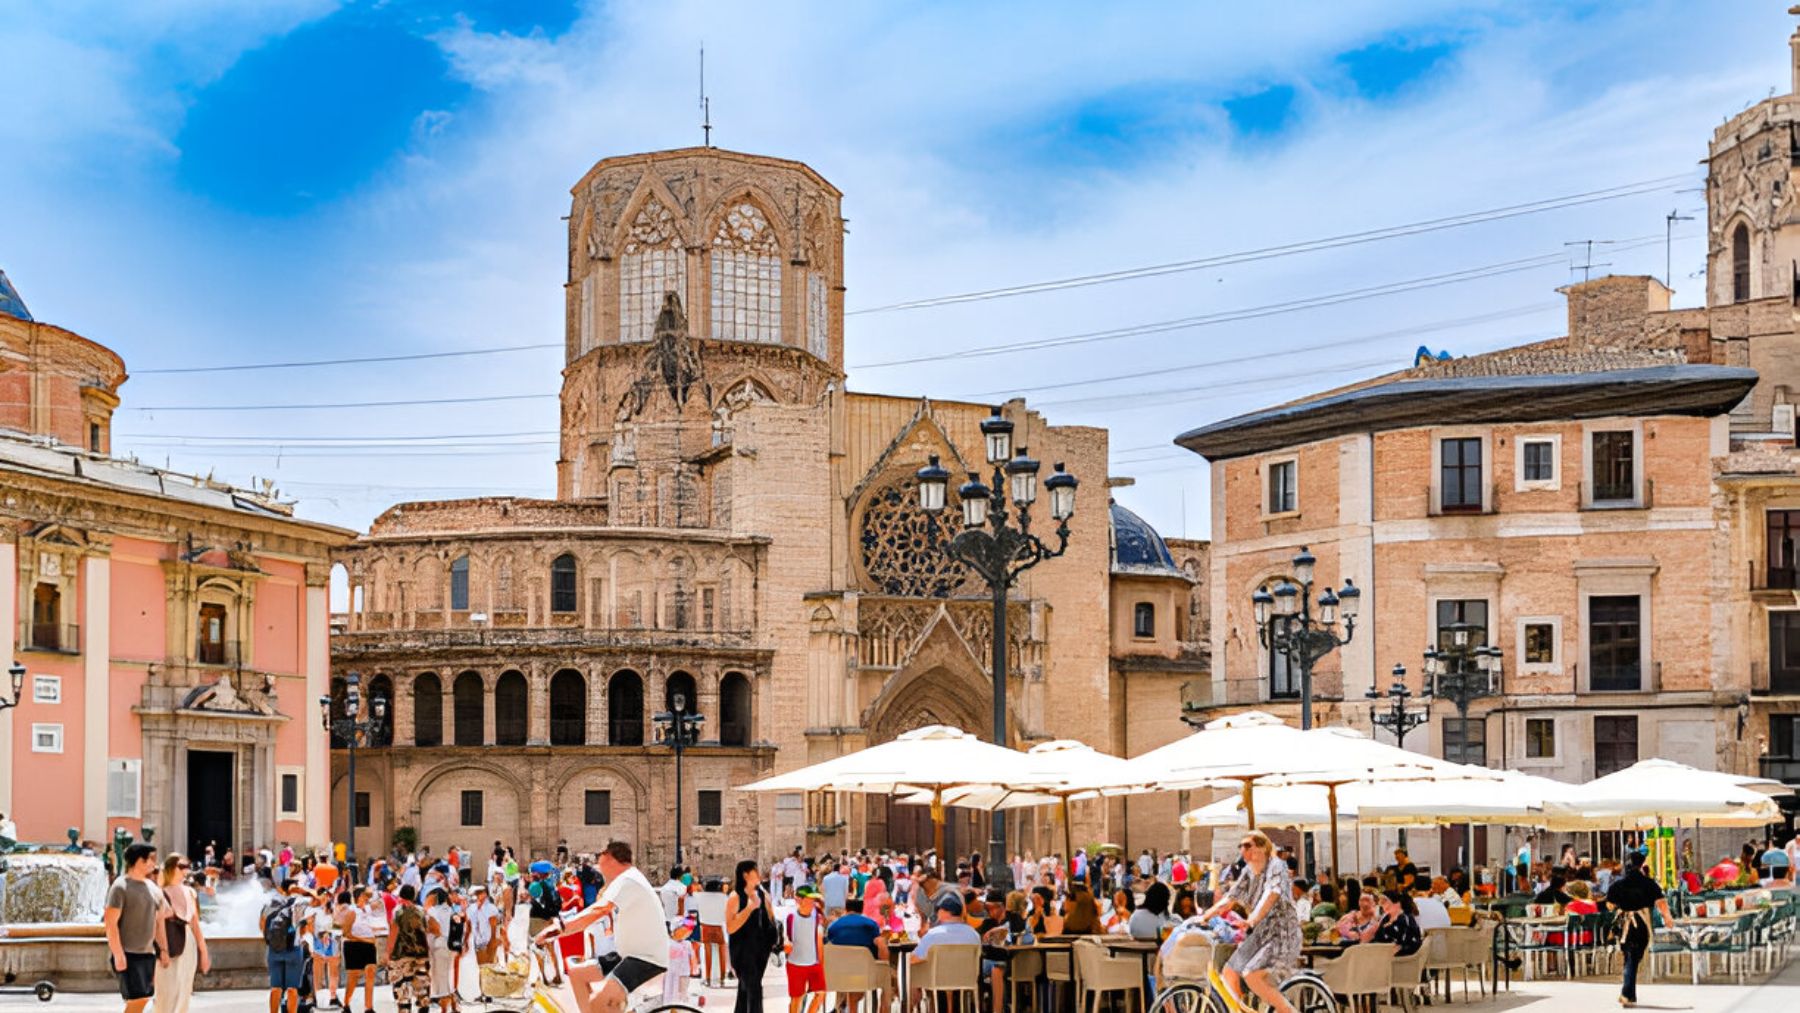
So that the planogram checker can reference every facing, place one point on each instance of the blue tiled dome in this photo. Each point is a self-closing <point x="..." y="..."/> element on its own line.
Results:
<point x="1137" y="548"/>
<point x="10" y="303"/>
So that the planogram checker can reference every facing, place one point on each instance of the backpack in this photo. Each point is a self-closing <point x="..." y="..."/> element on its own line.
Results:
<point x="545" y="903"/>
<point x="453" y="940"/>
<point x="278" y="927"/>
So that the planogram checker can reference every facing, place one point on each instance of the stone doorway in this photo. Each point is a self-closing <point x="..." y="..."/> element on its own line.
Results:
<point x="211" y="786"/>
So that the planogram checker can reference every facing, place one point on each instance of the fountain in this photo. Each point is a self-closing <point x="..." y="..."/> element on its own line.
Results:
<point x="39" y="887"/>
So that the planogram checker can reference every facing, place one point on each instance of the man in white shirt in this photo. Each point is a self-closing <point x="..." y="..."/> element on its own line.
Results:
<point x="1303" y="899"/>
<point x="639" y="932"/>
<point x="673" y="892"/>
<point x="1432" y="913"/>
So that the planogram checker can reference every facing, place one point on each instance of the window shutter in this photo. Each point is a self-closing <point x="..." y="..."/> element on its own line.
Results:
<point x="122" y="782"/>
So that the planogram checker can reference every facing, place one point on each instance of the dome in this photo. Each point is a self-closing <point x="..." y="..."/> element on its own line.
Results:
<point x="10" y="303"/>
<point x="1137" y="548"/>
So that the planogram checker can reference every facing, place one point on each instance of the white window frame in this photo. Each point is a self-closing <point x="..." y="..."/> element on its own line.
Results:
<point x="1487" y="468"/>
<point x="1555" y="665"/>
<point x="46" y="689"/>
<point x="135" y="768"/>
<point x="1523" y="484"/>
<point x="299" y="810"/>
<point x="55" y="731"/>
<point x="1268" y="465"/>
<point x="1636" y="428"/>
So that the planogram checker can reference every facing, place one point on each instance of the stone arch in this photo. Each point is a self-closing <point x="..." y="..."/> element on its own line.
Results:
<point x="428" y="709"/>
<point x="625" y="708"/>
<point x="652" y="189"/>
<point x="737" y="709"/>
<point x="469" y="709"/>
<point x="568" y="708"/>
<point x="748" y="254"/>
<point x="626" y="809"/>
<point x="740" y="192"/>
<point x="437" y="805"/>
<point x="941" y="679"/>
<point x="512" y="709"/>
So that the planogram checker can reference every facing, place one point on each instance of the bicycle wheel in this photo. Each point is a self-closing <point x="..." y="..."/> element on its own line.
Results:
<point x="669" y="1007"/>
<point x="1186" y="997"/>
<point x="1307" y="994"/>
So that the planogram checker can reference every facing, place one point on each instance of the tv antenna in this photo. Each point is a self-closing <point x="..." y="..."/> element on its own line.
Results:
<point x="1587" y="269"/>
<point x="705" y="102"/>
<point x="1669" y="221"/>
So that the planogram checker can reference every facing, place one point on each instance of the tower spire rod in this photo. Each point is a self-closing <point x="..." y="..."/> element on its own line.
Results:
<point x="705" y="103"/>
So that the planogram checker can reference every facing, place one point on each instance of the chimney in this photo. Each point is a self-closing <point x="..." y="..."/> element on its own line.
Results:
<point x="1611" y="312"/>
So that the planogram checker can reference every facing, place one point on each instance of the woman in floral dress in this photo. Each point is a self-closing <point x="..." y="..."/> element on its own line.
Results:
<point x="1270" y="951"/>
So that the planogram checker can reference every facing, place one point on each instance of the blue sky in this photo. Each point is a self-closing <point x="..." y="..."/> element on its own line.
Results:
<point x="205" y="182"/>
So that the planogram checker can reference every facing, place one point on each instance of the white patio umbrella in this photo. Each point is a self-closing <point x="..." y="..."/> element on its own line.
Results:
<point x="1656" y="791"/>
<point x="1512" y="798"/>
<point x="1296" y="807"/>
<point x="935" y="759"/>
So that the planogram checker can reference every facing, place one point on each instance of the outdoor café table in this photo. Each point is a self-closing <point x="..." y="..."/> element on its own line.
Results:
<point x="1313" y="952"/>
<point x="900" y="952"/>
<point x="1694" y="932"/>
<point x="1522" y="932"/>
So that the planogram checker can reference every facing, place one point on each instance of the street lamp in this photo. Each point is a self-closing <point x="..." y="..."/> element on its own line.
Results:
<point x="352" y="727"/>
<point x="1286" y="623"/>
<point x="17" y="672"/>
<point x="1461" y="670"/>
<point x="1397" y="718"/>
<point x="680" y="729"/>
<point x="999" y="552"/>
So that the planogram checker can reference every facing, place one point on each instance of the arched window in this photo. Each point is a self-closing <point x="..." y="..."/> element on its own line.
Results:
<point x="651" y="264"/>
<point x="382" y="688"/>
<point x="568" y="708"/>
<point x="471" y="709"/>
<point x="459" y="584"/>
<point x="681" y="684"/>
<point x="510" y="710"/>
<point x="734" y="710"/>
<point x="625" y="709"/>
<point x="563" y="584"/>
<point x="1740" y="263"/>
<point x="428" y="710"/>
<point x="746" y="277"/>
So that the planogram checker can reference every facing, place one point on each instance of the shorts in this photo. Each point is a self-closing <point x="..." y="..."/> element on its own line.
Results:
<point x="632" y="972"/>
<point x="535" y="925"/>
<point x="804" y="979"/>
<point x="484" y="955"/>
<point x="138" y="980"/>
<point x="358" y="955"/>
<point x="285" y="968"/>
<point x="712" y="934"/>
<point x="326" y="948"/>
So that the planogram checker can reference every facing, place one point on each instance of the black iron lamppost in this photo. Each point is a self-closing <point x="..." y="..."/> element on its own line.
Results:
<point x="1461" y="670"/>
<point x="1397" y="718"/>
<point x="351" y="727"/>
<point x="681" y="729"/>
<point x="999" y="552"/>
<point x="17" y="672"/>
<point x="1286" y="625"/>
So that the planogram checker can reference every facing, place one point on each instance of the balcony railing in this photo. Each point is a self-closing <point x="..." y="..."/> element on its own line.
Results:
<point x="1763" y="682"/>
<point x="1785" y="769"/>
<point x="1438" y="508"/>
<point x="1773" y="578"/>
<point x="1609" y="498"/>
<point x="61" y="638"/>
<point x="216" y="652"/>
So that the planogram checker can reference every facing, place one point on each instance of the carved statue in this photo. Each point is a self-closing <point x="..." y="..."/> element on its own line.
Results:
<point x="673" y="360"/>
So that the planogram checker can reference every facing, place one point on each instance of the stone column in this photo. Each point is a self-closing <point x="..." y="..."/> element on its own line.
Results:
<point x="400" y="712"/>
<point x="708" y="688"/>
<point x="96" y="660"/>
<point x="487" y="707"/>
<point x="537" y="727"/>
<point x="316" y="637"/>
<point x="599" y="727"/>
<point x="9" y="588"/>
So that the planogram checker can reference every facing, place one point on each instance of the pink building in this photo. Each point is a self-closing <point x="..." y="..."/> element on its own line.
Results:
<point x="173" y="629"/>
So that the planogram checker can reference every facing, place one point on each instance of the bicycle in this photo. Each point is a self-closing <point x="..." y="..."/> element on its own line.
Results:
<point x="1305" y="991"/>
<point x="521" y="978"/>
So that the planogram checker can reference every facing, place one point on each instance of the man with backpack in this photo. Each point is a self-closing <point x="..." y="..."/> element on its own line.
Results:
<point x="280" y="924"/>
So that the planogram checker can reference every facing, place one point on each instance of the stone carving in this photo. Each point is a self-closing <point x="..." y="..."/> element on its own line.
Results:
<point x="672" y="362"/>
<point x="899" y="551"/>
<point x="743" y="394"/>
<point x="221" y="696"/>
<point x="609" y="195"/>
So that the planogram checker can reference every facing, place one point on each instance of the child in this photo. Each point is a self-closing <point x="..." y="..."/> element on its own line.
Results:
<point x="805" y="951"/>
<point x="681" y="953"/>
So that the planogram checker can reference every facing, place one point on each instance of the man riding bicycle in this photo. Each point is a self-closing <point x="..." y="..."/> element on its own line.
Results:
<point x="638" y="929"/>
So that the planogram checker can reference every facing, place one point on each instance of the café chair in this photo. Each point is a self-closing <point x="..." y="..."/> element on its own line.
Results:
<point x="952" y="969"/>
<point x="853" y="970"/>
<point x="1098" y="974"/>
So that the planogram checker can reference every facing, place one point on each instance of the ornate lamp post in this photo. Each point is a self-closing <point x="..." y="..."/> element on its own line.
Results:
<point x="999" y="552"/>
<point x="1286" y="625"/>
<point x="17" y="673"/>
<point x="1397" y="718"/>
<point x="353" y="727"/>
<point x="680" y="729"/>
<point x="1462" y="671"/>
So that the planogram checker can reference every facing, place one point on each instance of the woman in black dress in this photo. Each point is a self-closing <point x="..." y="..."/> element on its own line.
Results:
<point x="751" y="934"/>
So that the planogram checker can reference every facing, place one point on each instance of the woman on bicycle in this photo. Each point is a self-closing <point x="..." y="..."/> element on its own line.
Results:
<point x="1270" y="951"/>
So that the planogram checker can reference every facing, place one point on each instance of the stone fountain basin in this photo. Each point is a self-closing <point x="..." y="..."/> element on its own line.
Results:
<point x="74" y="958"/>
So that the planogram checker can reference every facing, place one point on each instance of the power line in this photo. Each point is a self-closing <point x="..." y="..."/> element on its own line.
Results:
<point x="348" y="361"/>
<point x="335" y="439"/>
<point x="345" y="404"/>
<point x="1311" y="369"/>
<point x="1290" y="249"/>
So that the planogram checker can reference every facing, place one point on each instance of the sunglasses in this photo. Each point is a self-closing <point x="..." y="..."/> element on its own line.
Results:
<point x="183" y="865"/>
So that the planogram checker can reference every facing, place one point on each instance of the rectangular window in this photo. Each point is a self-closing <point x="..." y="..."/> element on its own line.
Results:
<point x="1459" y="474"/>
<point x="1614" y="470"/>
<point x="45" y="631"/>
<point x="1615" y="743"/>
<point x="1283" y="486"/>
<point x="46" y="689"/>
<point x="363" y="809"/>
<point x="1143" y="619"/>
<point x="46" y="738"/>
<point x="471" y="808"/>
<point x="123" y="781"/>
<point x="290" y="795"/>
<point x="1784" y="652"/>
<point x="1465" y="740"/>
<point x="597" y="807"/>
<point x="1782" y="532"/>
<point x="1615" y="662"/>
<point x="209" y="647"/>
<point x="563" y="585"/>
<point x="459" y="584"/>
<point x="1539" y="461"/>
<point x="1784" y="735"/>
<point x="1453" y="613"/>
<point x="94" y="437"/>
<point x="1540" y="643"/>
<point x="712" y="809"/>
<point x="1540" y="738"/>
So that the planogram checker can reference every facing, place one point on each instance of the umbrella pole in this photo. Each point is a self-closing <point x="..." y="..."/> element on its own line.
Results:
<point x="937" y="825"/>
<point x="1249" y="804"/>
<point x="1068" y="847"/>
<point x="1331" y="798"/>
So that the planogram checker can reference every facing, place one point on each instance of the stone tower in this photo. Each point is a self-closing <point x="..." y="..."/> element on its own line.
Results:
<point x="1753" y="220"/>
<point x="700" y="281"/>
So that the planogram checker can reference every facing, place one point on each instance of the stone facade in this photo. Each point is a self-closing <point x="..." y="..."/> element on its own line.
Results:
<point x="732" y="523"/>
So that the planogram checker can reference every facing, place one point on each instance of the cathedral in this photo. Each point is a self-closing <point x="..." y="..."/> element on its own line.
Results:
<point x="737" y="538"/>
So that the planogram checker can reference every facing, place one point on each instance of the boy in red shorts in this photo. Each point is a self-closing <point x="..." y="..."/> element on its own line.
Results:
<point x="806" y="951"/>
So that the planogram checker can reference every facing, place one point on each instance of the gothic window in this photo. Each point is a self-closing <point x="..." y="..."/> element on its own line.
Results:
<point x="1740" y="263"/>
<point x="471" y="709"/>
<point x="510" y="710"/>
<point x="459" y="584"/>
<point x="568" y="708"/>
<point x="899" y="553"/>
<point x="746" y="277"/>
<point x="816" y="314"/>
<point x="652" y="263"/>
<point x="428" y="710"/>
<point x="734" y="710"/>
<point x="563" y="585"/>
<point x="625" y="709"/>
